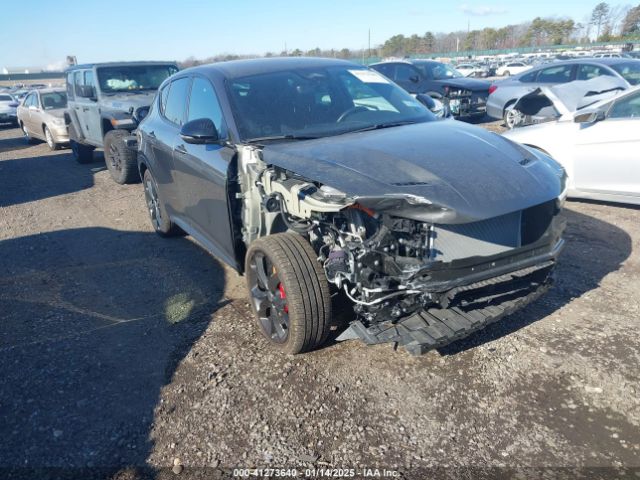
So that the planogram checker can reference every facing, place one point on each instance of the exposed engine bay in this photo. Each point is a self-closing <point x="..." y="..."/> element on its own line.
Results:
<point x="395" y="257"/>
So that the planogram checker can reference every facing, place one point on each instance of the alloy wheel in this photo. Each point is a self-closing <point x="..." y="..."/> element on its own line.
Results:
<point x="114" y="158"/>
<point x="49" y="138"/>
<point x="153" y="204"/>
<point x="269" y="298"/>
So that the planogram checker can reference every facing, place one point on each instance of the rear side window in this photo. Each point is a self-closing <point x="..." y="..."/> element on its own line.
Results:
<point x="203" y="103"/>
<point x="70" y="94"/>
<point x="557" y="74"/>
<point x="175" y="107"/>
<point x="404" y="73"/>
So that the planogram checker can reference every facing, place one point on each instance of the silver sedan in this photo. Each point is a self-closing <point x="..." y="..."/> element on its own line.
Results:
<point x="41" y="116"/>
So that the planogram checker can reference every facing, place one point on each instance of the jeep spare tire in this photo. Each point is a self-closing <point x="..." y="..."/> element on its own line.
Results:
<point x="121" y="160"/>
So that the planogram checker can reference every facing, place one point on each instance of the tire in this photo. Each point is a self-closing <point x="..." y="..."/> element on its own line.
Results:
<point x="25" y="133"/>
<point x="121" y="161"/>
<point x="511" y="117"/>
<point x="158" y="215"/>
<point x="507" y="73"/>
<point x="81" y="153"/>
<point x="49" y="139"/>
<point x="289" y="292"/>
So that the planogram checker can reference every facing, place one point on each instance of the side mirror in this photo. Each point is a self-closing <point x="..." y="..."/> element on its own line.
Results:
<point x="199" y="131"/>
<point x="14" y="104"/>
<point x="86" y="91"/>
<point x="414" y="78"/>
<point x="589" y="117"/>
<point x="141" y="113"/>
<point x="426" y="100"/>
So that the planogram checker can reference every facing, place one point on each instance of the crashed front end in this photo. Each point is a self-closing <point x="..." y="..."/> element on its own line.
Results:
<point x="417" y="273"/>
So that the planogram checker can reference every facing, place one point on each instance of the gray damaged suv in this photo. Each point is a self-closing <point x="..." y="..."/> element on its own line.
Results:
<point x="317" y="177"/>
<point x="106" y="101"/>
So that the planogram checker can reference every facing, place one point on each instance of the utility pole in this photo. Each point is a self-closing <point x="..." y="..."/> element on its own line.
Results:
<point x="369" y="54"/>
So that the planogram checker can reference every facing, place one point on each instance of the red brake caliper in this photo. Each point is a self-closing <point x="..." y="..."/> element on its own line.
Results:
<point x="283" y="296"/>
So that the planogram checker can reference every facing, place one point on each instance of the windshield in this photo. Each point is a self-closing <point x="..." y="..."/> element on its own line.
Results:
<point x="6" y="98"/>
<point x="53" y="100"/>
<point x="129" y="78"/>
<point x="630" y="71"/>
<point x="315" y="102"/>
<point x="438" y="71"/>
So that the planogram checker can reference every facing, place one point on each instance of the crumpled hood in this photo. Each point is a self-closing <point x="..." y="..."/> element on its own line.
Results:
<point x="466" y="83"/>
<point x="474" y="174"/>
<point x="124" y="101"/>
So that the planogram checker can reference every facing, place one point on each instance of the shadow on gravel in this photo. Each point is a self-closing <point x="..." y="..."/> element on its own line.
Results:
<point x="93" y="323"/>
<point x="594" y="248"/>
<point x="50" y="175"/>
<point x="14" y="143"/>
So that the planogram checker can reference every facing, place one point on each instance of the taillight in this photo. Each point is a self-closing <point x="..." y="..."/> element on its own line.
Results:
<point x="492" y="89"/>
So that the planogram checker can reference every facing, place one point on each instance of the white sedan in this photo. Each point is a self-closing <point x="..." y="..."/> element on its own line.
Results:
<point x="512" y="68"/>
<point x="599" y="147"/>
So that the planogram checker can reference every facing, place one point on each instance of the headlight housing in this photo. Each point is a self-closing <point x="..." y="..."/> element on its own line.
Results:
<point x="57" y="121"/>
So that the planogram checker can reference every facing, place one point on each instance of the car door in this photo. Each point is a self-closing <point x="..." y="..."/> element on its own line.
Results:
<point x="85" y="109"/>
<point x="25" y="111"/>
<point x="160" y="137"/>
<point x="606" y="155"/>
<point x="202" y="170"/>
<point x="91" y="110"/>
<point x="36" y="116"/>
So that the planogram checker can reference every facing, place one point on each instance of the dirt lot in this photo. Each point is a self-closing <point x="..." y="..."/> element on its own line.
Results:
<point x="124" y="353"/>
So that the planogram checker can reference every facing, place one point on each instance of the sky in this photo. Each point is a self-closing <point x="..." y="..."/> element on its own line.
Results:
<point x="96" y="30"/>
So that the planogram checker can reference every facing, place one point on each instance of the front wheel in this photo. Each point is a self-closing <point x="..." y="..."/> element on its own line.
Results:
<point x="121" y="160"/>
<point x="50" y="141"/>
<point x="289" y="292"/>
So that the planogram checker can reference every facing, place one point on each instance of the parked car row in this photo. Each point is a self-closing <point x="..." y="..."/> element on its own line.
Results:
<point x="316" y="177"/>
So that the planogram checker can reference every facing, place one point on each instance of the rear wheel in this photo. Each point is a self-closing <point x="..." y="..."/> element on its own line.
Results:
<point x="121" y="161"/>
<point x="25" y="133"/>
<point x="289" y="292"/>
<point x="81" y="153"/>
<point x="507" y="73"/>
<point x="160" y="220"/>
<point x="511" y="117"/>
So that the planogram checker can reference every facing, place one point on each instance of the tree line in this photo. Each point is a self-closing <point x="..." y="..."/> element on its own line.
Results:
<point x="606" y="23"/>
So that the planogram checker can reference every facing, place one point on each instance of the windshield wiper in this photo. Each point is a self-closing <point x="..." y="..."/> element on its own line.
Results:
<point x="282" y="137"/>
<point x="379" y="126"/>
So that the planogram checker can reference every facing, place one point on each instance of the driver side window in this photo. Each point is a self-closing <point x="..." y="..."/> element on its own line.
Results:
<point x="628" y="107"/>
<point x="404" y="73"/>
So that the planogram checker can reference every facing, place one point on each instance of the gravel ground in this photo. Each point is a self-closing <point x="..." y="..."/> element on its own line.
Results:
<point x="126" y="354"/>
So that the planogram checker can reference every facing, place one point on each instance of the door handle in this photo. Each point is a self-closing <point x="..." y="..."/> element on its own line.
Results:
<point x="85" y="109"/>
<point x="180" y="149"/>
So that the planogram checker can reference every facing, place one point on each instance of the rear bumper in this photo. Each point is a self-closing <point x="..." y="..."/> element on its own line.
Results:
<point x="493" y="110"/>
